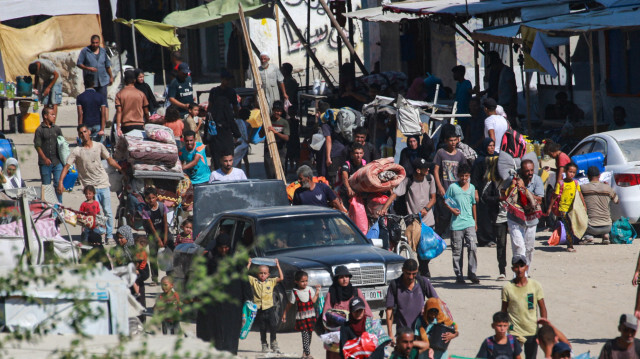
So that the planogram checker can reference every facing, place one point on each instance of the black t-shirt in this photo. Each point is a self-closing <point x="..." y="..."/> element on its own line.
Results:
<point x="321" y="195"/>
<point x="500" y="351"/>
<point x="227" y="92"/>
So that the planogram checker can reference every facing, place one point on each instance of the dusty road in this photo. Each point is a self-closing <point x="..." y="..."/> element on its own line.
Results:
<point x="585" y="292"/>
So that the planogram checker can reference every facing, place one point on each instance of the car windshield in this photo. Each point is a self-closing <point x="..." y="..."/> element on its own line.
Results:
<point x="630" y="150"/>
<point x="277" y="234"/>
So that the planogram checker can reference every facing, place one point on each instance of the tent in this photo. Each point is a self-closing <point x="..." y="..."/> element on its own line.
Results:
<point x="217" y="12"/>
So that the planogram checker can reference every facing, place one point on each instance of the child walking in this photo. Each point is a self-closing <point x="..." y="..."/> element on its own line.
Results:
<point x="92" y="207"/>
<point x="303" y="298"/>
<point x="174" y="122"/>
<point x="565" y="194"/>
<point x="142" y="269"/>
<point x="154" y="215"/>
<point x="463" y="224"/>
<point x="192" y="121"/>
<point x="263" y="288"/>
<point x="168" y="307"/>
<point x="501" y="345"/>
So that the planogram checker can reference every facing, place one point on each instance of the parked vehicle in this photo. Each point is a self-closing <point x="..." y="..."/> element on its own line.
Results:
<point x="309" y="238"/>
<point x="621" y="150"/>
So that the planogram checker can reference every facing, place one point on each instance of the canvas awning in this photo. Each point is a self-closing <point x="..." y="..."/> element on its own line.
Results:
<point x="596" y="20"/>
<point x="375" y="14"/>
<point x="217" y="12"/>
<point x="499" y="35"/>
<point x="467" y="8"/>
<point x="156" y="32"/>
<point x="15" y="9"/>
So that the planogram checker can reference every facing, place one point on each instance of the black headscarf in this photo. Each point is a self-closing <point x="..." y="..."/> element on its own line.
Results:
<point x="482" y="151"/>
<point x="339" y="293"/>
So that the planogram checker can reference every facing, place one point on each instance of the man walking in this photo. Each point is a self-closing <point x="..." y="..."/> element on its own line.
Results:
<point x="132" y="106"/>
<point x="272" y="80"/>
<point x="194" y="159"/>
<point x="227" y="172"/>
<point x="45" y="141"/>
<point x="406" y="295"/>
<point x="92" y="109"/>
<point x="597" y="196"/>
<point x="494" y="125"/>
<point x="626" y="345"/>
<point x="93" y="60"/>
<point x="520" y="297"/>
<point x="523" y="232"/>
<point x="315" y="194"/>
<point x="88" y="161"/>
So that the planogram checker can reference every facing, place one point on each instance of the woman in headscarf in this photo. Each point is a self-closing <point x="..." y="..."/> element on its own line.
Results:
<point x="146" y="90"/>
<point x="220" y="321"/>
<point x="339" y="296"/>
<point x="483" y="179"/>
<point x="435" y="313"/>
<point x="414" y="150"/>
<point x="11" y="177"/>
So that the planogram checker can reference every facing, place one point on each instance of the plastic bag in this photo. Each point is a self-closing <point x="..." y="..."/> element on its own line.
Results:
<point x="249" y="311"/>
<point x="361" y="347"/>
<point x="63" y="149"/>
<point x="559" y="235"/>
<point x="358" y="214"/>
<point x="374" y="231"/>
<point x="70" y="217"/>
<point x="430" y="245"/>
<point x="319" y="306"/>
<point x="622" y="232"/>
<point x="165" y="259"/>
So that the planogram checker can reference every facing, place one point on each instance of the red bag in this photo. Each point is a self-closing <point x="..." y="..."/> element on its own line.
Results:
<point x="360" y="348"/>
<point x="358" y="214"/>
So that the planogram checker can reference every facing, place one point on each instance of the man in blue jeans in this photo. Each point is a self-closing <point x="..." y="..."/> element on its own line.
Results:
<point x="46" y="143"/>
<point x="88" y="161"/>
<point x="92" y="109"/>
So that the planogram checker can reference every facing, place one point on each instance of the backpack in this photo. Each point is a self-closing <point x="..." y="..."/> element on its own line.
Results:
<point x="513" y="143"/>
<point x="491" y="344"/>
<point x="393" y="286"/>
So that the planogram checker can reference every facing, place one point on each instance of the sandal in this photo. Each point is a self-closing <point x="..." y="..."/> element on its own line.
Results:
<point x="572" y="250"/>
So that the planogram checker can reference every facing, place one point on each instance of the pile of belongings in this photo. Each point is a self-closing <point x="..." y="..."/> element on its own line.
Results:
<point x="152" y="153"/>
<point x="377" y="176"/>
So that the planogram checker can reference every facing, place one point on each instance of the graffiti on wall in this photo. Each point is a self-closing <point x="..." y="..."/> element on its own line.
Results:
<point x="318" y="35"/>
<point x="315" y="5"/>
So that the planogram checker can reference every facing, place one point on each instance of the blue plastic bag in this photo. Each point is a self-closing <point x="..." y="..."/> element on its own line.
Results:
<point x="256" y="137"/>
<point x="430" y="245"/>
<point x="374" y="231"/>
<point x="622" y="232"/>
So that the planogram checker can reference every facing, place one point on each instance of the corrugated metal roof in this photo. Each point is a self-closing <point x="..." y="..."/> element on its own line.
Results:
<point x="376" y="14"/>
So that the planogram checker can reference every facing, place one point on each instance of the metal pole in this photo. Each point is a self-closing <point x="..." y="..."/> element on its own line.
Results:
<point x="133" y="37"/>
<point x="350" y="27"/>
<point x="278" y="36"/>
<point x="476" y="64"/>
<point x="164" y="71"/>
<point x="308" y="36"/>
<point x="594" y="106"/>
<point x="347" y="41"/>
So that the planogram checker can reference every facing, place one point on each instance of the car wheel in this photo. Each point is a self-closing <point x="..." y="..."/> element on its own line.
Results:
<point x="280" y="303"/>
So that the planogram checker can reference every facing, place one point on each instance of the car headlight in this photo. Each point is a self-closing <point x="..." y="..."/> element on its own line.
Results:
<point x="394" y="270"/>
<point x="319" y="277"/>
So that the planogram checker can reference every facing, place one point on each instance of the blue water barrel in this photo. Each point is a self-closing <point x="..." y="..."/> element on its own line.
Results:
<point x="70" y="179"/>
<point x="7" y="149"/>
<point x="587" y="160"/>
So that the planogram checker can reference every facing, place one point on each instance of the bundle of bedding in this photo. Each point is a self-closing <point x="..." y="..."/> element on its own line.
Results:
<point x="377" y="176"/>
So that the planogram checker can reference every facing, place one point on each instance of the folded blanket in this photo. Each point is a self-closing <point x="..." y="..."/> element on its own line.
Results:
<point x="366" y="178"/>
<point x="522" y="204"/>
<point x="159" y="133"/>
<point x="151" y="152"/>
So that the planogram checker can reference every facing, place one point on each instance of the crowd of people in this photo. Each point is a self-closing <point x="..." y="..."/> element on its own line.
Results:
<point x="451" y="185"/>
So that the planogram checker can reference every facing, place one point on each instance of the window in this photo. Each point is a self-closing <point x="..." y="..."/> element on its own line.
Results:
<point x="582" y="149"/>
<point x="630" y="150"/>
<point x="600" y="146"/>
<point x="623" y="50"/>
<point x="225" y="225"/>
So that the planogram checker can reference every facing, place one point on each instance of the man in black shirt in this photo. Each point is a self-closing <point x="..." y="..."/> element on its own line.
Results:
<point x="45" y="141"/>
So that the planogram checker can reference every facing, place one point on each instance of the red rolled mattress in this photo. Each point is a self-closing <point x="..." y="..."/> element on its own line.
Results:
<point x="366" y="179"/>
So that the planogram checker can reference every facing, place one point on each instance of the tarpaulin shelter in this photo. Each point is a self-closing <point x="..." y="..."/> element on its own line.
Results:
<point x="157" y="33"/>
<point x="18" y="47"/>
<point x="216" y="12"/>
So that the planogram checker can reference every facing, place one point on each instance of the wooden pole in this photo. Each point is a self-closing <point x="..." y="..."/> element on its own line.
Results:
<point x="594" y="106"/>
<point x="262" y="102"/>
<point x="305" y="44"/>
<point x="278" y="36"/>
<point x="133" y="37"/>
<point x="354" y="55"/>
<point x="164" y="71"/>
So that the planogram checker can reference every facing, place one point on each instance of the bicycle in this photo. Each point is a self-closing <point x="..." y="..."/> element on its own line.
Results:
<point x="397" y="241"/>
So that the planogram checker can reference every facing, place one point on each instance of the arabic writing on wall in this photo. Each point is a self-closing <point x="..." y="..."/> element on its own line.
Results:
<point x="318" y="35"/>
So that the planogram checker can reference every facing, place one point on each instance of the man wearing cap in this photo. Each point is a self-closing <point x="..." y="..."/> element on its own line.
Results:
<point x="272" y="80"/>
<point x="419" y="191"/>
<point x="523" y="232"/>
<point x="626" y="346"/>
<point x="180" y="92"/>
<point x="597" y="196"/>
<point x="520" y="297"/>
<point x="494" y="125"/>
<point x="561" y="350"/>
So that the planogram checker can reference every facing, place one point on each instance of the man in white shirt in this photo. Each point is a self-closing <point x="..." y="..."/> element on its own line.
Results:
<point x="227" y="172"/>
<point x="494" y="125"/>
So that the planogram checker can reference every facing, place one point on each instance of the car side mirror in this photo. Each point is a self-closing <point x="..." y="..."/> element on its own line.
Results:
<point x="377" y="242"/>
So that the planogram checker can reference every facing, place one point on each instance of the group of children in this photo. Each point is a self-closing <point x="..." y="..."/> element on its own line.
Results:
<point x="192" y="121"/>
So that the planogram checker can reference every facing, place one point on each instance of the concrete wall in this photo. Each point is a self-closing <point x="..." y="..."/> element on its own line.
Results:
<point x="323" y="36"/>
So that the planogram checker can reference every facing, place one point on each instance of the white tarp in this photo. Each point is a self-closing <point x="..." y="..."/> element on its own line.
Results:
<point x="467" y="7"/>
<point x="15" y="9"/>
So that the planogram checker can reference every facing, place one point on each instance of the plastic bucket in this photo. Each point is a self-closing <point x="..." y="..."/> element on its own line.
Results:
<point x="30" y="122"/>
<point x="7" y="149"/>
<point x="149" y="77"/>
<point x="70" y="179"/>
<point x="587" y="160"/>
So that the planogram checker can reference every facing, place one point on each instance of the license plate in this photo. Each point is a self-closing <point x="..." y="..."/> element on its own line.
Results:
<point x="372" y="294"/>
